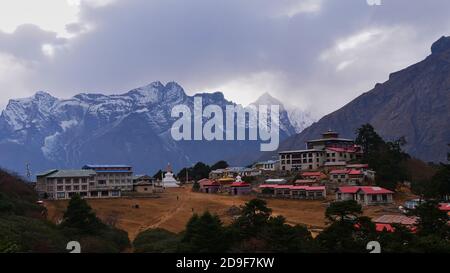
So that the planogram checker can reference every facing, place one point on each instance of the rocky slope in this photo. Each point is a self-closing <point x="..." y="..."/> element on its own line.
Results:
<point x="414" y="103"/>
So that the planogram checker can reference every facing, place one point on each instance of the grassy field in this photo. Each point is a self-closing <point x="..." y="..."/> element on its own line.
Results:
<point x="172" y="213"/>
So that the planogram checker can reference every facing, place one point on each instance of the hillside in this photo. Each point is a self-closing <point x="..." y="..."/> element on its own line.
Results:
<point x="414" y="103"/>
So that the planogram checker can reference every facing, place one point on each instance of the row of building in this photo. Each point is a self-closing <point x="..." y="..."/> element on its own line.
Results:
<point x="98" y="181"/>
<point x="327" y="153"/>
<point x="234" y="187"/>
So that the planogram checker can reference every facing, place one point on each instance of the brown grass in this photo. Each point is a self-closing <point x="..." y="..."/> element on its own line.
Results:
<point x="169" y="213"/>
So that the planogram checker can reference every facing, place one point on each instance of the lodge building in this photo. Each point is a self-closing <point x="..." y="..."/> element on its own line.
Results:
<point x="92" y="181"/>
<point x="330" y="148"/>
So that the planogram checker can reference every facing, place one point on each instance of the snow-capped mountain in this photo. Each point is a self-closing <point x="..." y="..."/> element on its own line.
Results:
<point x="296" y="119"/>
<point x="130" y="128"/>
<point x="299" y="118"/>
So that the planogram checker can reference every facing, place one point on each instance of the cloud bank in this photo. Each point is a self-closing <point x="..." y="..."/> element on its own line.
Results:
<point x="314" y="54"/>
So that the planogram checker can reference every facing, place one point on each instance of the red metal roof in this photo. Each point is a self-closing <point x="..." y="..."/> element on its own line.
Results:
<point x="355" y="172"/>
<point x="240" y="184"/>
<point x="339" y="172"/>
<point x="374" y="190"/>
<point x="290" y="187"/>
<point x="210" y="184"/>
<point x="381" y="227"/>
<point x="444" y="206"/>
<point x="365" y="189"/>
<point x="299" y="188"/>
<point x="342" y="150"/>
<point x="349" y="189"/>
<point x="396" y="219"/>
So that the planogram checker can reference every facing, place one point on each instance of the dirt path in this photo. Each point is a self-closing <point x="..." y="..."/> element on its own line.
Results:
<point x="172" y="214"/>
<point x="167" y="216"/>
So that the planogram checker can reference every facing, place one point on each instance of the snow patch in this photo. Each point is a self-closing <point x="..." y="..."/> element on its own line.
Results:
<point x="67" y="124"/>
<point x="50" y="147"/>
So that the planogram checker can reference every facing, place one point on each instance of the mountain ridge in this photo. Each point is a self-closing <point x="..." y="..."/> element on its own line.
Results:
<point x="132" y="127"/>
<point x="413" y="103"/>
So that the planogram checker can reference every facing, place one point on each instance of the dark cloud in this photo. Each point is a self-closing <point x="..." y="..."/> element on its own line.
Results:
<point x="26" y="42"/>
<point x="319" y="59"/>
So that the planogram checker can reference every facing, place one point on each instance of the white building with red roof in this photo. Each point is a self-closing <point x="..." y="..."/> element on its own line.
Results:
<point x="294" y="192"/>
<point x="365" y="195"/>
<point x="209" y="186"/>
<point x="330" y="148"/>
<point x="239" y="187"/>
<point x="352" y="177"/>
<point x="386" y="222"/>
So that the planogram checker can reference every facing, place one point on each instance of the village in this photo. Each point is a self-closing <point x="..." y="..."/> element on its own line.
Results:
<point x="328" y="170"/>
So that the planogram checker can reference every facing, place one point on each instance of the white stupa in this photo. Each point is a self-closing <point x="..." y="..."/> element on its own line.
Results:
<point x="168" y="180"/>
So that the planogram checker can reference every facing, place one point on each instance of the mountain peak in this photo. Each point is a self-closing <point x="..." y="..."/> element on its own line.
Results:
<point x="440" y="46"/>
<point x="174" y="91"/>
<point x="42" y="94"/>
<point x="155" y="84"/>
<point x="268" y="99"/>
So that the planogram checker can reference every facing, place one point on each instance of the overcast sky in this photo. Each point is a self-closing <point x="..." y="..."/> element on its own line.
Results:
<point x="315" y="54"/>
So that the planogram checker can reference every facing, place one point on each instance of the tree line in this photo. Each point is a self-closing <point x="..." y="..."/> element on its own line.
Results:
<point x="256" y="230"/>
<point x="392" y="166"/>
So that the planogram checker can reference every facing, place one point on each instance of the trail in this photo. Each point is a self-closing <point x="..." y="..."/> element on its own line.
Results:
<point x="181" y="202"/>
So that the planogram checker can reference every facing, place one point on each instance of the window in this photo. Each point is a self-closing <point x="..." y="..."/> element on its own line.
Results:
<point x="374" y="198"/>
<point x="68" y="188"/>
<point x="115" y="193"/>
<point x="84" y="187"/>
<point x="60" y="188"/>
<point x="60" y="181"/>
<point x="339" y="196"/>
<point x="384" y="197"/>
<point x="61" y="195"/>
